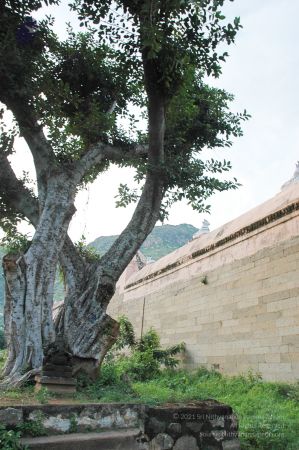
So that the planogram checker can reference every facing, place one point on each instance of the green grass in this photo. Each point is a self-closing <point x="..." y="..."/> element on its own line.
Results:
<point x="268" y="413"/>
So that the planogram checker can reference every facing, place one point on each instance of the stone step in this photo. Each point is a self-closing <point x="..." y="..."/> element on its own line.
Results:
<point x="107" y="440"/>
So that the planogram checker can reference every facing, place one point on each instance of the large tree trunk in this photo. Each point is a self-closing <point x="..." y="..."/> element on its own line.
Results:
<point x="88" y="332"/>
<point x="30" y="284"/>
<point x="27" y="314"/>
<point x="82" y="320"/>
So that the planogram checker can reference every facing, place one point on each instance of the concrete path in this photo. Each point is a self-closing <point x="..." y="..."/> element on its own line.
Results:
<point x="108" y="440"/>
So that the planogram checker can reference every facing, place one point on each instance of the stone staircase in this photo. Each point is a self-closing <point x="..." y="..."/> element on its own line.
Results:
<point x="106" y="440"/>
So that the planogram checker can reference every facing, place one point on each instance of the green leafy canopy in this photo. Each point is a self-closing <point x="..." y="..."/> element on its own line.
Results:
<point x="182" y="38"/>
<point x="83" y="89"/>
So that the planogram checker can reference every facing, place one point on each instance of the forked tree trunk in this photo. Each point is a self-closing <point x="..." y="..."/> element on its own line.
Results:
<point x="82" y="320"/>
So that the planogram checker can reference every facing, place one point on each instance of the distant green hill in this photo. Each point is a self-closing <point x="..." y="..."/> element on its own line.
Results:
<point x="163" y="240"/>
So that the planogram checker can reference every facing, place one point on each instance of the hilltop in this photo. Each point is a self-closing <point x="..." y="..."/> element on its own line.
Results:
<point x="163" y="239"/>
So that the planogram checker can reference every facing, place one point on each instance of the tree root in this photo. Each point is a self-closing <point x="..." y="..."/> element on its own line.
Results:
<point x="17" y="379"/>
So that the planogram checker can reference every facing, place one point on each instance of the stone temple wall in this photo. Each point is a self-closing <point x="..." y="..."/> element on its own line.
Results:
<point x="231" y="295"/>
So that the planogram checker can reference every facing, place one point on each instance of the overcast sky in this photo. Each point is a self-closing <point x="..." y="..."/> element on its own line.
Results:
<point x="262" y="72"/>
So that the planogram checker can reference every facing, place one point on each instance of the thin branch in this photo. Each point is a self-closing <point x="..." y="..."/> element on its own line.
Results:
<point x="15" y="194"/>
<point x="32" y="132"/>
<point x="100" y="151"/>
<point x="112" y="107"/>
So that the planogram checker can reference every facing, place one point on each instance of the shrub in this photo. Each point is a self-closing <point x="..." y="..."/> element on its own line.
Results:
<point x="43" y="395"/>
<point x="145" y="356"/>
<point x="141" y="366"/>
<point x="9" y="439"/>
<point x="32" y="428"/>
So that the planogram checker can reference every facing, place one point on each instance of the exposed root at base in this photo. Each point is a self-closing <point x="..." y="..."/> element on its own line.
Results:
<point x="18" y="379"/>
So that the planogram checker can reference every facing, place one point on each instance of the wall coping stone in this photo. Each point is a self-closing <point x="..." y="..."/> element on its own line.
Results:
<point x="242" y="233"/>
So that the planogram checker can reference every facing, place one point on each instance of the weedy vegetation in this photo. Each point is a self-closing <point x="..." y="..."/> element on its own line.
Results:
<point x="139" y="370"/>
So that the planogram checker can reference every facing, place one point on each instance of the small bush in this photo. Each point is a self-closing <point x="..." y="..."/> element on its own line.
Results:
<point x="33" y="428"/>
<point x="9" y="439"/>
<point x="43" y="395"/>
<point x="140" y="366"/>
<point x="145" y="358"/>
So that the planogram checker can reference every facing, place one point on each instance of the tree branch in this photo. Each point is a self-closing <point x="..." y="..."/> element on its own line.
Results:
<point x="146" y="214"/>
<point x="40" y="148"/>
<point x="15" y="194"/>
<point x="20" y="199"/>
<point x="112" y="107"/>
<point x="100" y="151"/>
<point x="32" y="132"/>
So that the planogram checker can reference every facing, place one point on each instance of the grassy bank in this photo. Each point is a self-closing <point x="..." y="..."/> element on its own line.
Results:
<point x="268" y="413"/>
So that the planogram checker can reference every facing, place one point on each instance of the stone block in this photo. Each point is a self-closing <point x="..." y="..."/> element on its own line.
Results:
<point x="108" y="440"/>
<point x="59" y="360"/>
<point x="186" y="442"/>
<point x="273" y="357"/>
<point x="275" y="296"/>
<point x="56" y="380"/>
<point x="11" y="416"/>
<point x="57" y="424"/>
<point x="195" y="427"/>
<point x="161" y="442"/>
<point x="285" y="331"/>
<point x="156" y="426"/>
<point x="52" y="367"/>
<point x="275" y="367"/>
<point x="56" y="374"/>
<point x="291" y="340"/>
<point x="174" y="429"/>
<point x="56" y="384"/>
<point x="280" y="305"/>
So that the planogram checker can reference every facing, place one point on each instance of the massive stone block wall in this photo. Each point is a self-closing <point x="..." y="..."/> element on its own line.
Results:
<point x="232" y="295"/>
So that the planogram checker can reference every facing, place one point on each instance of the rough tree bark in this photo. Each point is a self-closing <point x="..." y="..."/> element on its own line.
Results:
<point x="30" y="282"/>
